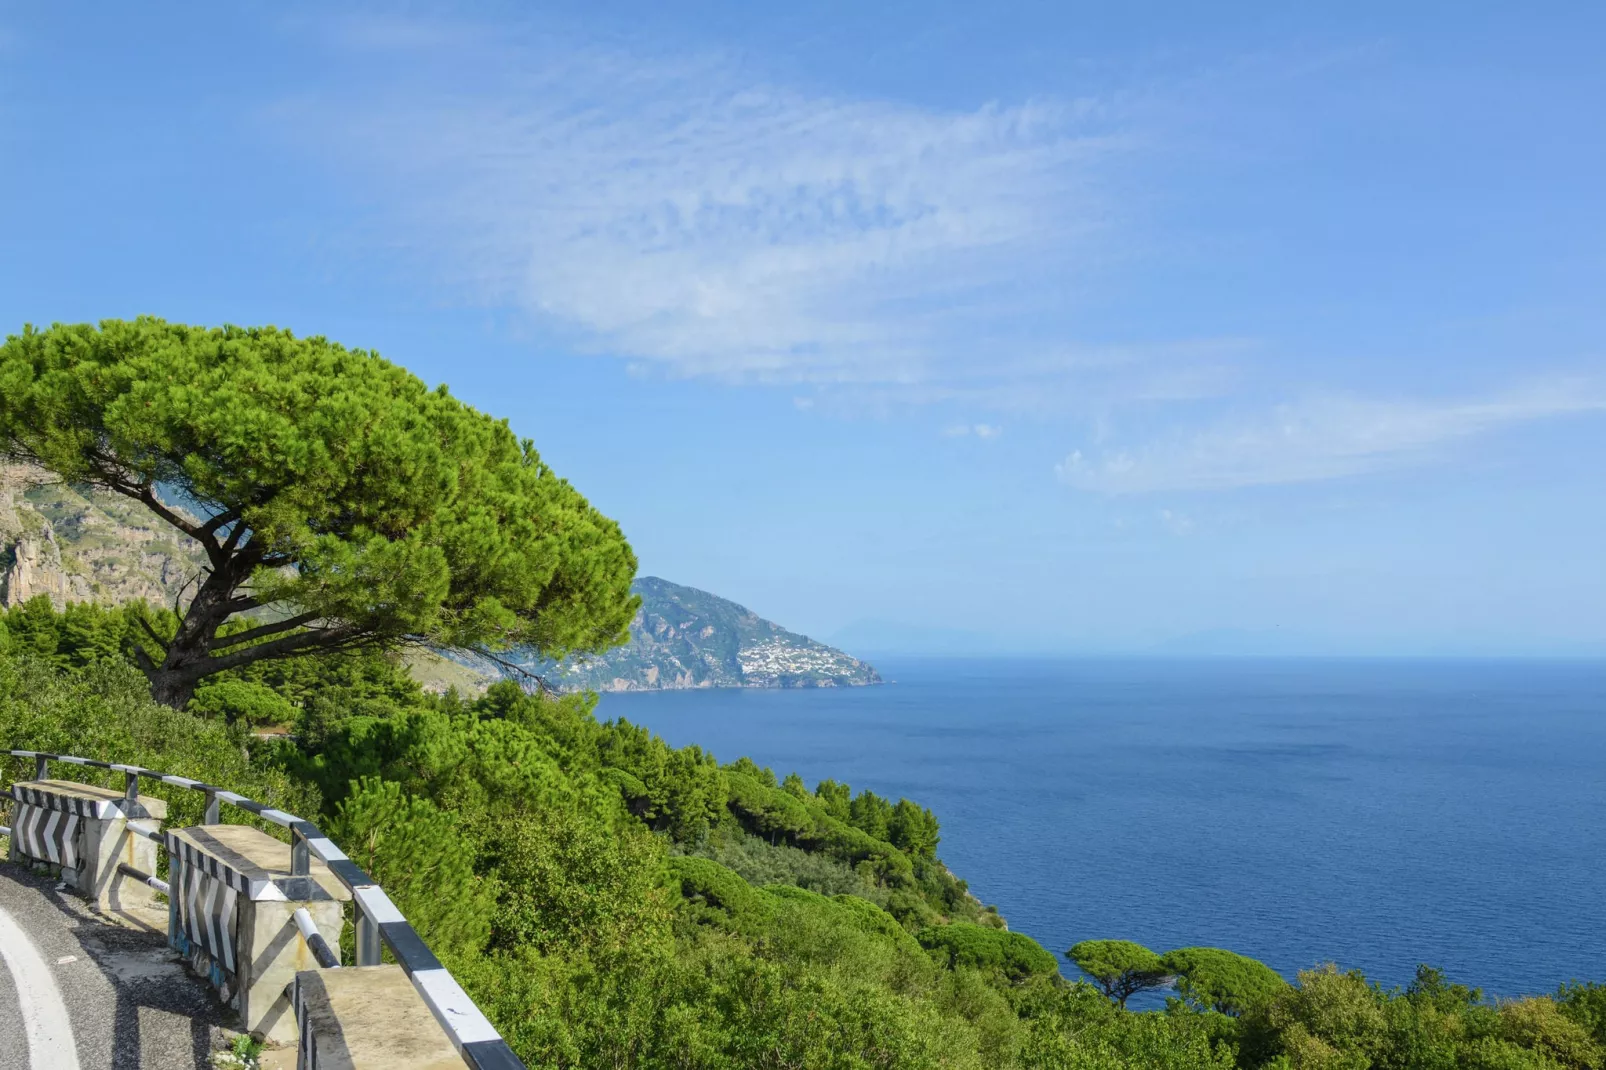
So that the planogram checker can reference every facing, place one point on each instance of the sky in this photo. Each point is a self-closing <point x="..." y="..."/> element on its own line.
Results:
<point x="1005" y="327"/>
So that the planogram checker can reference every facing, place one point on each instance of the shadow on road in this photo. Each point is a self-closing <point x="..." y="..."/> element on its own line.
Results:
<point x="155" y="1010"/>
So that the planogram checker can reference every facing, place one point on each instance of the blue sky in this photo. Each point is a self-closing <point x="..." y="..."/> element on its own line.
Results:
<point x="1048" y="326"/>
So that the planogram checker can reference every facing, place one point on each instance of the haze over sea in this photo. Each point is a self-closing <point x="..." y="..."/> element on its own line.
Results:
<point x="1375" y="813"/>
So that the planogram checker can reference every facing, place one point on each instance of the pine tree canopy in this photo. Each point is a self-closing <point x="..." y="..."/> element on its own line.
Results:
<point x="339" y="501"/>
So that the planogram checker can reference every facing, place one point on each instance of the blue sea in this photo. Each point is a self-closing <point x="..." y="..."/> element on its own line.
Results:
<point x="1376" y="814"/>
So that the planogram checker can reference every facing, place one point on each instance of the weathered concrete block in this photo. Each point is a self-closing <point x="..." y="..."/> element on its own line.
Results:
<point x="83" y="831"/>
<point x="233" y="906"/>
<point x="368" y="1018"/>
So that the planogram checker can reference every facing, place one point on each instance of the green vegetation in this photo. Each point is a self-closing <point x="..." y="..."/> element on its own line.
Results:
<point x="1213" y="979"/>
<point x="613" y="901"/>
<point x="335" y="497"/>
<point x="1011" y="956"/>
<point x="1120" y="968"/>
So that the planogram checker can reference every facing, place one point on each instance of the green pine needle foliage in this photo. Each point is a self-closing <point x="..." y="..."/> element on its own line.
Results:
<point x="327" y="487"/>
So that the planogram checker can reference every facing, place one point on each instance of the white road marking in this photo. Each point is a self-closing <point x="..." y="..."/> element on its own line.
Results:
<point x="44" y="1015"/>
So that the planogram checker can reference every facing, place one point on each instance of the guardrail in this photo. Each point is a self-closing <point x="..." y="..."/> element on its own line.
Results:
<point x="378" y="921"/>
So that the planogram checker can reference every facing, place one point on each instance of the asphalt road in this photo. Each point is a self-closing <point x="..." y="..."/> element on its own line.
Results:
<point x="80" y="993"/>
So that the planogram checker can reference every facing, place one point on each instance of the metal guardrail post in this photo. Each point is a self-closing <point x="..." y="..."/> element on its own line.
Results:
<point x="367" y="939"/>
<point x="41" y="767"/>
<point x="131" y="786"/>
<point x="213" y="816"/>
<point x="175" y="879"/>
<point x="300" y="855"/>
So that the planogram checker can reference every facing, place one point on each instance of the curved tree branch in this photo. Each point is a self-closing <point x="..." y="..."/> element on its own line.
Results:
<point x="329" y="639"/>
<point x="143" y="623"/>
<point x="233" y="541"/>
<point x="228" y="516"/>
<point x="146" y="494"/>
<point x="142" y="658"/>
<point x="264" y="630"/>
<point x="513" y="668"/>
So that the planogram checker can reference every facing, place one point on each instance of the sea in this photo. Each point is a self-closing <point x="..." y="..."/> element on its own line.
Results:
<point x="1376" y="814"/>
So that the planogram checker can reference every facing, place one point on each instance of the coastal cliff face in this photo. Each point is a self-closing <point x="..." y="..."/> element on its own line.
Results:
<point x="683" y="638"/>
<point x="76" y="544"/>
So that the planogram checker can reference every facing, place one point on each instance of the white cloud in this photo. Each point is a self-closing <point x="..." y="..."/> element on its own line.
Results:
<point x="982" y="431"/>
<point x="1325" y="438"/>
<point x="687" y="213"/>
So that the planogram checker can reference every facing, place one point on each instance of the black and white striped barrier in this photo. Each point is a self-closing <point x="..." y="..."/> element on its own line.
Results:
<point x="378" y="921"/>
<point x="315" y="941"/>
<point x="84" y="834"/>
<point x="47" y="835"/>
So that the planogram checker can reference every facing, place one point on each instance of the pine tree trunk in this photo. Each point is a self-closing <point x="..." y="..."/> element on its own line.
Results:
<point x="173" y="682"/>
<point x="172" y="688"/>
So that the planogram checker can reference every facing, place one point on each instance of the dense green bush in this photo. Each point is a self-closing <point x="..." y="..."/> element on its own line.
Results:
<point x="760" y="862"/>
<point x="1015" y="956"/>
<point x="245" y="701"/>
<point x="420" y="857"/>
<point x="105" y="712"/>
<point x="1213" y="979"/>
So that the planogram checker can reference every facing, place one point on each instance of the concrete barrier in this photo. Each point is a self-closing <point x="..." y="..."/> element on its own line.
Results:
<point x="367" y="1018"/>
<point x="86" y="834"/>
<point x="232" y="916"/>
<point x="253" y="915"/>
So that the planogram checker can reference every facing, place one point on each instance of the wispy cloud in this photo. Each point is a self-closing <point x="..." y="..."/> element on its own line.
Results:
<point x="982" y="431"/>
<point x="1324" y="438"/>
<point x="688" y="213"/>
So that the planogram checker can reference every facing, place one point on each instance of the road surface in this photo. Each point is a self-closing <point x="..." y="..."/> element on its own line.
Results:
<point x="79" y="993"/>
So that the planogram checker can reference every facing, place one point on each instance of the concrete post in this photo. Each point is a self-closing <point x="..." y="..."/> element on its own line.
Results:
<point x="83" y="832"/>
<point x="236" y="899"/>
<point x="368" y="1018"/>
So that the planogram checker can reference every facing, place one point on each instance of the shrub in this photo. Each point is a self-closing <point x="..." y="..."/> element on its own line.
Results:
<point x="1014" y="955"/>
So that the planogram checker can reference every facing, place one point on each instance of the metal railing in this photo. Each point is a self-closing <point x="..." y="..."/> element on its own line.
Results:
<point x="378" y="921"/>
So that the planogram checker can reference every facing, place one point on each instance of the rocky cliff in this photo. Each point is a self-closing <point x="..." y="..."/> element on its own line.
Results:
<point x="80" y="544"/>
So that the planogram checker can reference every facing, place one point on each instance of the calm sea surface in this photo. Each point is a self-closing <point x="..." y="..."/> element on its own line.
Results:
<point x="1374" y="813"/>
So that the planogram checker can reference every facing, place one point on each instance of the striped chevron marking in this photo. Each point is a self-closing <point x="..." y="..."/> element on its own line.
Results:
<point x="69" y="804"/>
<point x="207" y="910"/>
<point x="47" y="835"/>
<point x="258" y="889"/>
